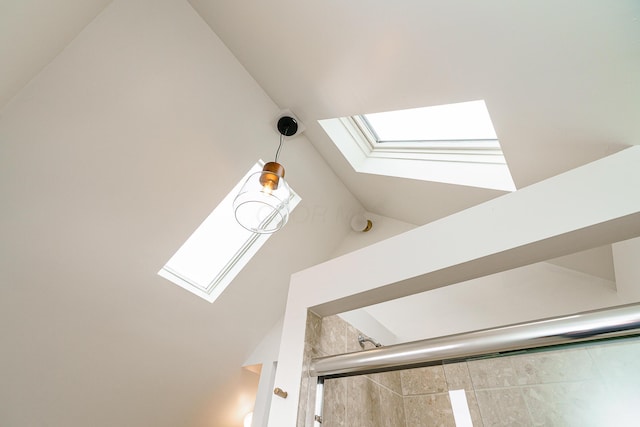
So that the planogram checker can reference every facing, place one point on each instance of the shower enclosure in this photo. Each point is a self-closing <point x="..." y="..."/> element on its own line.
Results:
<point x="580" y="370"/>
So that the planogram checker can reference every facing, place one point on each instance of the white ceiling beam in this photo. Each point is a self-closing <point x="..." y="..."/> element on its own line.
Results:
<point x="595" y="204"/>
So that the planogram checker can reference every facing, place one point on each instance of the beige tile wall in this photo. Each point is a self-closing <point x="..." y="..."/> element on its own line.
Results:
<point x="362" y="401"/>
<point x="593" y="385"/>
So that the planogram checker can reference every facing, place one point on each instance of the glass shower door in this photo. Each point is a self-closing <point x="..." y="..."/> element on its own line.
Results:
<point x="584" y="384"/>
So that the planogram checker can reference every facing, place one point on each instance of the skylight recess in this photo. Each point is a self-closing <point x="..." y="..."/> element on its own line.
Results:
<point x="217" y="250"/>
<point x="453" y="144"/>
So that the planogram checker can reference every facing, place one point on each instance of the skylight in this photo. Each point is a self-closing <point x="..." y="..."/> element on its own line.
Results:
<point x="462" y="121"/>
<point x="217" y="251"/>
<point x="453" y="144"/>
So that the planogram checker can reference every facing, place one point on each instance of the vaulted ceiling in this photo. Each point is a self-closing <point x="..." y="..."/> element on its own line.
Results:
<point x="88" y="328"/>
<point x="560" y="79"/>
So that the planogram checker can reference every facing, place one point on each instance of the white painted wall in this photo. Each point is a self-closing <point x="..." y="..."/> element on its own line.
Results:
<point x="527" y="293"/>
<point x="626" y="258"/>
<point x="266" y="355"/>
<point x="522" y="294"/>
<point x="264" y="395"/>
<point x="383" y="228"/>
<point x="596" y="262"/>
<point x="373" y="325"/>
<point x="267" y="350"/>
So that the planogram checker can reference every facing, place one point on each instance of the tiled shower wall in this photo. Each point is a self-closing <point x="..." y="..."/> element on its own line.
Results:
<point x="370" y="400"/>
<point x="596" y="385"/>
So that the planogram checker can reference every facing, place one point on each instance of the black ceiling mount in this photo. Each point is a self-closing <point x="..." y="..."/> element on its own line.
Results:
<point x="287" y="126"/>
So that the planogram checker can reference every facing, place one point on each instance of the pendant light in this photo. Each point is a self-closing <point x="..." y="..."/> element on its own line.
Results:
<point x="262" y="205"/>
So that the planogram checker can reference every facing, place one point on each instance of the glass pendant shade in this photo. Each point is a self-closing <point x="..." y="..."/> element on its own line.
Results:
<point x="262" y="205"/>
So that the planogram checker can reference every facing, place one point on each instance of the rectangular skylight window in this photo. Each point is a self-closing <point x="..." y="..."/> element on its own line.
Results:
<point x="218" y="250"/>
<point x="452" y="144"/>
<point x="463" y="121"/>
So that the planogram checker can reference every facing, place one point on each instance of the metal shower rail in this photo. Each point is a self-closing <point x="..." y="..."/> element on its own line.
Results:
<point x="587" y="326"/>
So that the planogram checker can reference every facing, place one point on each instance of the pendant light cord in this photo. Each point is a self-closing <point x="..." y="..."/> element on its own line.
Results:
<point x="280" y="146"/>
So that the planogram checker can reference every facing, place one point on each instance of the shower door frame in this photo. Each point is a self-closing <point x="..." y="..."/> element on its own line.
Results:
<point x="616" y="322"/>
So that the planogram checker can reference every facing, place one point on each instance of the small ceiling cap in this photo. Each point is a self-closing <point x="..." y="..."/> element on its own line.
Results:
<point x="285" y="117"/>
<point x="287" y="126"/>
<point x="360" y="223"/>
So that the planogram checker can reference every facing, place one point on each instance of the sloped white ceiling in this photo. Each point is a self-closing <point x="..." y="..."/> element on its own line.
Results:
<point x="115" y="152"/>
<point x="33" y="32"/>
<point x="561" y="79"/>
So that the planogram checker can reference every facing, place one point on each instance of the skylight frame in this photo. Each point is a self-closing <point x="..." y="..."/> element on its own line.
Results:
<point x="239" y="255"/>
<point x="475" y="163"/>
<point x="466" y="151"/>
<point x="454" y="123"/>
<point x="452" y="145"/>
